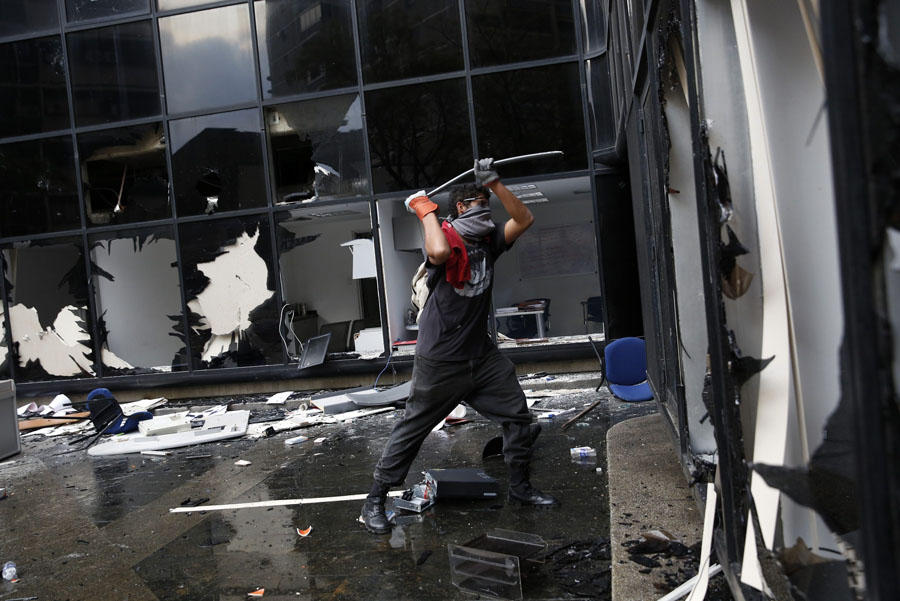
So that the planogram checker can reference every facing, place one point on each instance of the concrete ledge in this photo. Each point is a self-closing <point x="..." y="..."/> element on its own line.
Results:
<point x="647" y="491"/>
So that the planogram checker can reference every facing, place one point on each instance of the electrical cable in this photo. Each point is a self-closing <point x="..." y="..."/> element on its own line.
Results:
<point x="390" y="354"/>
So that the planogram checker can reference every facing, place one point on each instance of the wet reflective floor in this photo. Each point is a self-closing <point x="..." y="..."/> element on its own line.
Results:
<point x="82" y="527"/>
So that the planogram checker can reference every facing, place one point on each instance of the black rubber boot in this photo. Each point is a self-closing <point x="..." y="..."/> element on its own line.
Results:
<point x="372" y="513"/>
<point x="526" y="494"/>
<point x="521" y="490"/>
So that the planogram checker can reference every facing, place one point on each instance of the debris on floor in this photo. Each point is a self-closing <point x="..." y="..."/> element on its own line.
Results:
<point x="582" y="567"/>
<point x="305" y="532"/>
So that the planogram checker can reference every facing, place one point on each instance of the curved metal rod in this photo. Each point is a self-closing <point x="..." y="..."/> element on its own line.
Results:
<point x="515" y="159"/>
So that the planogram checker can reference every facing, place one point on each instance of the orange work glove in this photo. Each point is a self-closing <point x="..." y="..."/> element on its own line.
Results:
<point x="420" y="204"/>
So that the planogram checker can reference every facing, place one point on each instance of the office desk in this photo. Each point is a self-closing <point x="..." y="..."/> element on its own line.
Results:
<point x="538" y="316"/>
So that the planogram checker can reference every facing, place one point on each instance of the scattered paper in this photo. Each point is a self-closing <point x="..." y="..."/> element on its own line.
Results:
<point x="241" y="462"/>
<point x="296" y="440"/>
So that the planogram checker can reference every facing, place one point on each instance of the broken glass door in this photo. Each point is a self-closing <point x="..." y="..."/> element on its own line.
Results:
<point x="327" y="261"/>
<point x="138" y="301"/>
<point x="47" y="296"/>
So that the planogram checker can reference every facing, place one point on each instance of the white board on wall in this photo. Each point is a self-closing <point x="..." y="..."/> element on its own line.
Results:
<point x="557" y="250"/>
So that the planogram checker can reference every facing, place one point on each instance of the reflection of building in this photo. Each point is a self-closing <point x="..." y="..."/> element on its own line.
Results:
<point x="791" y="260"/>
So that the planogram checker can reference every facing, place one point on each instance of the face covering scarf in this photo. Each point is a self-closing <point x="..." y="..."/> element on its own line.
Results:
<point x="474" y="224"/>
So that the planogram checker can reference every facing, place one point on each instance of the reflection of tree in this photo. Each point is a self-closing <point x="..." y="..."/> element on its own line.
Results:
<point x="419" y="134"/>
<point x="551" y="119"/>
<point x="502" y="33"/>
<point x="404" y="42"/>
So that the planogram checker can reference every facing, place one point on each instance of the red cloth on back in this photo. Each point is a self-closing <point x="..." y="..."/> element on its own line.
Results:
<point x="457" y="266"/>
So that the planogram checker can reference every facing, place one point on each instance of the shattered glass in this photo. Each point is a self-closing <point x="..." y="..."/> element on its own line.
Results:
<point x="551" y="119"/>
<point x="326" y="284"/>
<point x="304" y="46"/>
<point x="124" y="175"/>
<point x="208" y="59"/>
<point x="535" y="30"/>
<point x="82" y="10"/>
<point x="217" y="163"/>
<point x="399" y="40"/>
<point x="19" y="17"/>
<point x="317" y="149"/>
<point x="229" y="283"/>
<point x="138" y="269"/>
<point x="419" y="134"/>
<point x="33" y="79"/>
<point x="113" y="73"/>
<point x="39" y="192"/>
<point x="47" y="295"/>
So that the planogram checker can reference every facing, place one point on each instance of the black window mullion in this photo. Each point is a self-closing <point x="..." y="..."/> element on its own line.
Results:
<point x="186" y="333"/>
<point x="373" y="206"/>
<point x="85" y="245"/>
<point x="270" y="214"/>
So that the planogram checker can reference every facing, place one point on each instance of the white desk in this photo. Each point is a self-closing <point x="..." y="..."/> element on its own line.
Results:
<point x="538" y="316"/>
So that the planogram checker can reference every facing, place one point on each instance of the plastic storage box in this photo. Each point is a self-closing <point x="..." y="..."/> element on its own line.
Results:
<point x="491" y="564"/>
<point x="9" y="420"/>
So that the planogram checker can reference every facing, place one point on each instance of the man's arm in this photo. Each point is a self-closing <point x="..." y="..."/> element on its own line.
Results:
<point x="436" y="246"/>
<point x="520" y="217"/>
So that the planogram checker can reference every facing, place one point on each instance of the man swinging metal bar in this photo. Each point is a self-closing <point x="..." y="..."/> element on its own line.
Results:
<point x="456" y="359"/>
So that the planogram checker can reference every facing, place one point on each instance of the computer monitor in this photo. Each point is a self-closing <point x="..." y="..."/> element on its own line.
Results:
<point x="314" y="351"/>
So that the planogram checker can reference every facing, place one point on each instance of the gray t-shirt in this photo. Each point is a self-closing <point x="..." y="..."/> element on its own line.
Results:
<point x="453" y="325"/>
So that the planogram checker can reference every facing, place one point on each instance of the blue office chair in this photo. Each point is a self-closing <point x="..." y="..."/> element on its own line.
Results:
<point x="625" y="369"/>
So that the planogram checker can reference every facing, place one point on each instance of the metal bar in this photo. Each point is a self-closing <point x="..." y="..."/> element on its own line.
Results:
<point x="281" y="503"/>
<point x="515" y="159"/>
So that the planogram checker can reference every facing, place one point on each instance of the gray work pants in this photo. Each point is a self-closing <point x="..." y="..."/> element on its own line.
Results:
<point x="487" y="384"/>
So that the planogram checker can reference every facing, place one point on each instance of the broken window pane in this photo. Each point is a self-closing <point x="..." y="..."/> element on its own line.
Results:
<point x="229" y="284"/>
<point x="33" y="79"/>
<point x="536" y="29"/>
<point x="399" y="40"/>
<point x="113" y="73"/>
<point x="82" y="10"/>
<point x="19" y="17"/>
<point x="217" y="163"/>
<point x="136" y="271"/>
<point x="419" y="135"/>
<point x="551" y="119"/>
<point x="304" y="46"/>
<point x="124" y="174"/>
<point x="49" y="315"/>
<point x="316" y="149"/>
<point x="327" y="263"/>
<point x="39" y="193"/>
<point x="208" y="59"/>
<point x="555" y="262"/>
